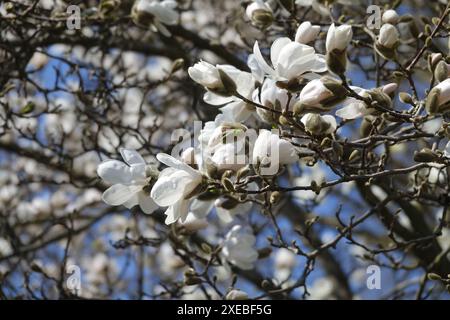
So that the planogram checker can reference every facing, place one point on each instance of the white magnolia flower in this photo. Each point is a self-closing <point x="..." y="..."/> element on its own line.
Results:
<point x="285" y="262"/>
<point x="389" y="36"/>
<point x="208" y="76"/>
<point x="290" y="60"/>
<point x="235" y="109"/>
<point x="271" y="150"/>
<point x="390" y="16"/>
<point x="307" y="33"/>
<point x="129" y="180"/>
<point x="239" y="247"/>
<point x="338" y="38"/>
<point x="174" y="186"/>
<point x="155" y="13"/>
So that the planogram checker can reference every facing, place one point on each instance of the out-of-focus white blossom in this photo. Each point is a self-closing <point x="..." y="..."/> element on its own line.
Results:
<point x="236" y="294"/>
<point x="239" y="247"/>
<point x="156" y="14"/>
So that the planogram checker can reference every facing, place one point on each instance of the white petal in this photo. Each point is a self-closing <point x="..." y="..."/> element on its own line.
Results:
<point x="216" y="100"/>
<point x="178" y="210"/>
<point x="200" y="208"/>
<point x="177" y="164"/>
<point x="224" y="215"/>
<point x="260" y="59"/>
<point x="131" y="156"/>
<point x="146" y="203"/>
<point x="170" y="188"/>
<point x="114" y="171"/>
<point x="133" y="201"/>
<point x="236" y="112"/>
<point x="352" y="111"/>
<point x="276" y="48"/>
<point x="119" y="194"/>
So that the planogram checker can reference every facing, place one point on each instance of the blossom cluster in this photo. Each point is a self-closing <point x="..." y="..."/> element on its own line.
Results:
<point x="297" y="92"/>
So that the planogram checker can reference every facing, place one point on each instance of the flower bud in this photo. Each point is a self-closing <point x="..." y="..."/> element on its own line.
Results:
<point x="405" y="98"/>
<point x="226" y="202"/>
<point x="438" y="98"/>
<point x="307" y="33"/>
<point x="336" y="44"/>
<point x="260" y="14"/>
<point x="425" y="155"/>
<point x="441" y="71"/>
<point x="108" y="6"/>
<point x="434" y="59"/>
<point x="434" y="277"/>
<point x="177" y="65"/>
<point x="320" y="95"/>
<point x="275" y="197"/>
<point x="319" y="125"/>
<point x="387" y="42"/>
<point x="390" y="16"/>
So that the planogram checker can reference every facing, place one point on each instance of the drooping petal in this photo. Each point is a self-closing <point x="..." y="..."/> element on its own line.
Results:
<point x="118" y="194"/>
<point x="133" y="201"/>
<point x="215" y="99"/>
<point x="146" y="203"/>
<point x="178" y="210"/>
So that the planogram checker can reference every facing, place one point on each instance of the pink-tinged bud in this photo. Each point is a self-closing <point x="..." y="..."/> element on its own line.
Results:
<point x="390" y="88"/>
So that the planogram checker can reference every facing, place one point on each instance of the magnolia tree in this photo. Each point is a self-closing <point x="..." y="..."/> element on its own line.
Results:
<point x="199" y="149"/>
